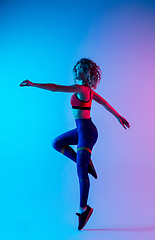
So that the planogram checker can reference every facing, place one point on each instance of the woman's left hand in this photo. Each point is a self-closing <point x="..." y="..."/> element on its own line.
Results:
<point x="123" y="122"/>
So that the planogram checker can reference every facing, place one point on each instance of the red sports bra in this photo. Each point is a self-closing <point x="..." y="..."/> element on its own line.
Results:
<point x="80" y="104"/>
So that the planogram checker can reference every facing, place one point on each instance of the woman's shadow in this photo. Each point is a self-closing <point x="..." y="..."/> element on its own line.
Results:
<point x="132" y="229"/>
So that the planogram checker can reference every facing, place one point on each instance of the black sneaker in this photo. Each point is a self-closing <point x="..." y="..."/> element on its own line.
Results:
<point x="91" y="169"/>
<point x="83" y="217"/>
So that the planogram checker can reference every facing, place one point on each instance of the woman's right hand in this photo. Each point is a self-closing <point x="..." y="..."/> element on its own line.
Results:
<point x="27" y="83"/>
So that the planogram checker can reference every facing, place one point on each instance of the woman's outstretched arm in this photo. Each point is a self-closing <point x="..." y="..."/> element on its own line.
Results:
<point x="53" y="87"/>
<point x="107" y="106"/>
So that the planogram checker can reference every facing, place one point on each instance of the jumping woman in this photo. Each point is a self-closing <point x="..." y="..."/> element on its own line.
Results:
<point x="86" y="77"/>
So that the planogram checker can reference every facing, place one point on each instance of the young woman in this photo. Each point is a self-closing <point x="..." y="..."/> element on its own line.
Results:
<point x="86" y="76"/>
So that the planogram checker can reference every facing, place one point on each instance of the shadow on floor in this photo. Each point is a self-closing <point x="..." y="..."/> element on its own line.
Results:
<point x="136" y="229"/>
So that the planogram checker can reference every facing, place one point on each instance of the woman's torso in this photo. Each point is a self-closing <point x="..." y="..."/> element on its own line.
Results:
<point x="81" y="103"/>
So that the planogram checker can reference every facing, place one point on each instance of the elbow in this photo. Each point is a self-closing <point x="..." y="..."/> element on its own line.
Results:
<point x="54" y="88"/>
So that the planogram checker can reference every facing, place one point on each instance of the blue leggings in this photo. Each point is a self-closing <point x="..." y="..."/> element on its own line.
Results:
<point x="84" y="136"/>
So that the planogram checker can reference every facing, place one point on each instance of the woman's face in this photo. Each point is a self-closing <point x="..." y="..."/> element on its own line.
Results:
<point x="80" y="75"/>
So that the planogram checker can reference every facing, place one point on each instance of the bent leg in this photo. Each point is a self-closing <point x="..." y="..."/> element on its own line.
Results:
<point x="62" y="142"/>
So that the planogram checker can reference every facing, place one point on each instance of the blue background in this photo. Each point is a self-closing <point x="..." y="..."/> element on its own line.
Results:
<point x="42" y="41"/>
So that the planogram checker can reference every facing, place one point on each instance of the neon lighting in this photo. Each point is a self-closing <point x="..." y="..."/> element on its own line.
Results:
<point x="63" y="150"/>
<point x="84" y="148"/>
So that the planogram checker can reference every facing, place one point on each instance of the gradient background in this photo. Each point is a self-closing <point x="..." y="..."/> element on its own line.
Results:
<point x="39" y="193"/>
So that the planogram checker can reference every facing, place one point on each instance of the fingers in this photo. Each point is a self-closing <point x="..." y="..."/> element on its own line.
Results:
<point x="127" y="124"/>
<point x="24" y="83"/>
<point x="124" y="123"/>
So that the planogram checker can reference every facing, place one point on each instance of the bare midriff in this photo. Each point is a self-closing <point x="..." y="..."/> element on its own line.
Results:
<point x="81" y="114"/>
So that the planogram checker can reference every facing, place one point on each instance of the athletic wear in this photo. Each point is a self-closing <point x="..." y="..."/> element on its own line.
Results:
<point x="61" y="144"/>
<point x="83" y="217"/>
<point x="80" y="104"/>
<point x="84" y="136"/>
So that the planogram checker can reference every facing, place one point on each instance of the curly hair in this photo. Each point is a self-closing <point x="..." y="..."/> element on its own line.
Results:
<point x="91" y="70"/>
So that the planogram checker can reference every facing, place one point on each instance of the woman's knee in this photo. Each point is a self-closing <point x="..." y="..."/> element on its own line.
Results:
<point x="55" y="144"/>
